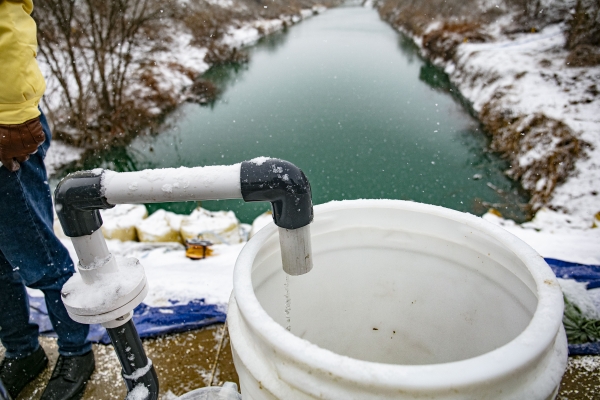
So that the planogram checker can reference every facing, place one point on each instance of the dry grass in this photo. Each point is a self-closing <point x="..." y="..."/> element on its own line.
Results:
<point x="443" y="42"/>
<point x="584" y="55"/>
<point x="584" y="25"/>
<point x="203" y="91"/>
<point x="542" y="151"/>
<point x="459" y="22"/>
<point x="415" y="15"/>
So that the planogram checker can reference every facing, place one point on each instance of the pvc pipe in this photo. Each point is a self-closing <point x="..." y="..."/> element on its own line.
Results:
<point x="137" y="367"/>
<point x="91" y="249"/>
<point x="296" y="252"/>
<point x="94" y="257"/>
<point x="172" y="184"/>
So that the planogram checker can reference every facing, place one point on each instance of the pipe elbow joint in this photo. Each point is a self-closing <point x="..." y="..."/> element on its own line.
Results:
<point x="284" y="185"/>
<point x="78" y="199"/>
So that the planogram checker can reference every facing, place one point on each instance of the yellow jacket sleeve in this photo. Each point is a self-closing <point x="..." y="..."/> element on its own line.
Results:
<point x="21" y="82"/>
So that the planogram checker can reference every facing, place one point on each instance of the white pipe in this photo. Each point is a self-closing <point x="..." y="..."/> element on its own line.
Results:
<point x="296" y="252"/>
<point x="91" y="249"/>
<point x="172" y="184"/>
<point x="94" y="256"/>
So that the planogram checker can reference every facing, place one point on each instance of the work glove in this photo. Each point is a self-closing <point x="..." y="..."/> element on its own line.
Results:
<point x="18" y="141"/>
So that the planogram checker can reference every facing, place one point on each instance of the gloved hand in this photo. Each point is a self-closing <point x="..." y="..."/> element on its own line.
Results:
<point x="17" y="142"/>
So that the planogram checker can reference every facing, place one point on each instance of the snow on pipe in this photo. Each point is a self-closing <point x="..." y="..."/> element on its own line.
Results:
<point x="261" y="179"/>
<point x="172" y="184"/>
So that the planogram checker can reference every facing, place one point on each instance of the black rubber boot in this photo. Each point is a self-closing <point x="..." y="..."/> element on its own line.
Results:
<point x="69" y="377"/>
<point x="16" y="373"/>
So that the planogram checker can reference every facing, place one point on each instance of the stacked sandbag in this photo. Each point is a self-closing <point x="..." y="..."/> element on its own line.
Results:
<point x="260" y="222"/>
<point x="120" y="221"/>
<point x="161" y="226"/>
<point x="217" y="227"/>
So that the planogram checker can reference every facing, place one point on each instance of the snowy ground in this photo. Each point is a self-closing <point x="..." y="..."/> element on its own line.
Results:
<point x="552" y="239"/>
<point x="60" y="154"/>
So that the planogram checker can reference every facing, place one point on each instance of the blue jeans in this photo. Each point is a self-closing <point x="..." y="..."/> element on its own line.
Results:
<point x="31" y="255"/>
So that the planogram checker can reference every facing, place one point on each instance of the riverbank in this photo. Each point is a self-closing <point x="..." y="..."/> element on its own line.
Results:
<point x="535" y="97"/>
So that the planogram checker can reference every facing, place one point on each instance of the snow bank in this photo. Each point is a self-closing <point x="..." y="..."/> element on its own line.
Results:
<point x="250" y="32"/>
<point x="552" y="238"/>
<point x="527" y="75"/>
<point x="542" y="113"/>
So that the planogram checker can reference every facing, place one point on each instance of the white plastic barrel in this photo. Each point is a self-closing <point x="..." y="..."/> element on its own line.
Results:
<point x="405" y="301"/>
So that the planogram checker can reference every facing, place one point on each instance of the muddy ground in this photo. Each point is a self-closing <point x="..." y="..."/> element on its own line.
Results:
<point x="183" y="362"/>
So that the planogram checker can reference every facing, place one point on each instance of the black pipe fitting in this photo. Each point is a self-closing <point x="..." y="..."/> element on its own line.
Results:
<point x="284" y="185"/>
<point x="78" y="199"/>
<point x="134" y="362"/>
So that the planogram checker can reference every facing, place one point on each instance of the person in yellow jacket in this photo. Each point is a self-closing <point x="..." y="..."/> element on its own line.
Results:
<point x="30" y="254"/>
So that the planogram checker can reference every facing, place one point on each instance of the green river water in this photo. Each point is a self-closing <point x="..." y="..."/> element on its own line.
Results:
<point x="348" y="100"/>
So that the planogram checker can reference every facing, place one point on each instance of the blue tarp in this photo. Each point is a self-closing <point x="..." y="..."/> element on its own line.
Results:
<point x="578" y="272"/>
<point x="581" y="273"/>
<point x="149" y="321"/>
<point x="155" y="321"/>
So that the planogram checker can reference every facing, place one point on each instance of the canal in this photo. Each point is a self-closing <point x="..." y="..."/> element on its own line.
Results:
<point x="348" y="100"/>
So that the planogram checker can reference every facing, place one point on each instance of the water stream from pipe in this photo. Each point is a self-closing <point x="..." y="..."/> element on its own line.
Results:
<point x="288" y="304"/>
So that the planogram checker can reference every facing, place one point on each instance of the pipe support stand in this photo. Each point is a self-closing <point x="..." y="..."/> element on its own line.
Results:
<point x="109" y="296"/>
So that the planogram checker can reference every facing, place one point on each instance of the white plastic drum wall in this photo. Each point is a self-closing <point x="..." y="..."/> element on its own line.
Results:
<point x="405" y="301"/>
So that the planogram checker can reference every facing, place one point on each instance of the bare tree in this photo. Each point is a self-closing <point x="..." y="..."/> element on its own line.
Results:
<point x="88" y="46"/>
<point x="108" y="61"/>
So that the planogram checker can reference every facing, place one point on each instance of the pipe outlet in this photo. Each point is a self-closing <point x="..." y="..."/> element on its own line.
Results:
<point x="288" y="190"/>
